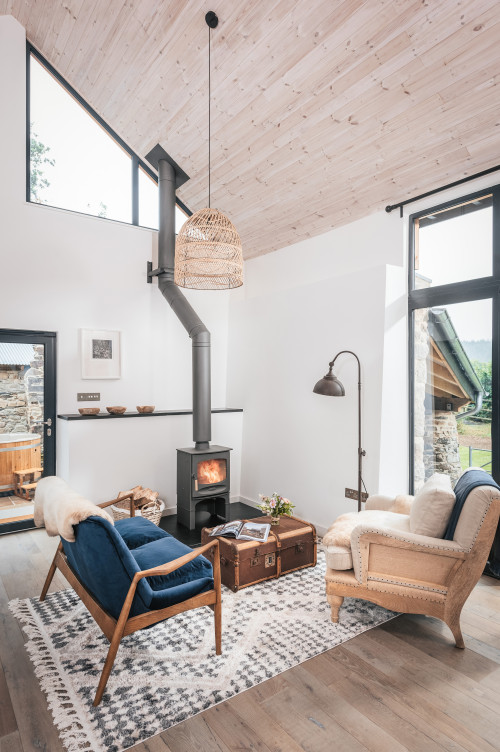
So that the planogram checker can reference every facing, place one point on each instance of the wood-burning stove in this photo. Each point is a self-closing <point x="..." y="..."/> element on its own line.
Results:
<point x="202" y="475"/>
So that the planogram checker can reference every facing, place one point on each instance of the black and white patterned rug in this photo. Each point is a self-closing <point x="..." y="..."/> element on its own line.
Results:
<point x="170" y="672"/>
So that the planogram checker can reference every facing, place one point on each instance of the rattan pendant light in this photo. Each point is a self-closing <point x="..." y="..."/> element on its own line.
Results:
<point x="208" y="253"/>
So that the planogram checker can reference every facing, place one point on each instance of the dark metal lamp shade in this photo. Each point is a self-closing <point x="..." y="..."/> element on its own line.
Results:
<point x="330" y="386"/>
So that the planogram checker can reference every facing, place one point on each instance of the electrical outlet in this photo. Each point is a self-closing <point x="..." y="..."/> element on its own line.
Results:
<point x="350" y="493"/>
<point x="88" y="396"/>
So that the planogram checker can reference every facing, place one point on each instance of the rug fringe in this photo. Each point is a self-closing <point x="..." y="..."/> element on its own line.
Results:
<point x="71" y="731"/>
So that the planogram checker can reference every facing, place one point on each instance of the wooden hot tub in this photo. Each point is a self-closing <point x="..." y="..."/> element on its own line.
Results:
<point x="18" y="451"/>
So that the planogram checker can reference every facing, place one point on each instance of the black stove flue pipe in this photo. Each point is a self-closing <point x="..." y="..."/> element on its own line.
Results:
<point x="168" y="180"/>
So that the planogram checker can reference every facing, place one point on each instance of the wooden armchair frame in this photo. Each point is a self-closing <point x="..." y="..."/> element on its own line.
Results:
<point x="448" y="575"/>
<point x="115" y="629"/>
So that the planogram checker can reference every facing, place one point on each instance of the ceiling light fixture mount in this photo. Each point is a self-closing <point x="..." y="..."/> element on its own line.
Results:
<point x="211" y="19"/>
<point x="208" y="252"/>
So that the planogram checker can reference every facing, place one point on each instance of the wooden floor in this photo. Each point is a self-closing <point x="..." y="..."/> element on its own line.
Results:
<point x="401" y="686"/>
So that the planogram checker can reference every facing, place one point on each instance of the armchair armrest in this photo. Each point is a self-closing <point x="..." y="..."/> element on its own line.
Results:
<point x="386" y="503"/>
<point x="170" y="566"/>
<point x="379" y="501"/>
<point x="402" y="556"/>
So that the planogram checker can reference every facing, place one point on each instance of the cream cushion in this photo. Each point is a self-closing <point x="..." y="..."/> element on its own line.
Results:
<point x="431" y="507"/>
<point x="338" y="557"/>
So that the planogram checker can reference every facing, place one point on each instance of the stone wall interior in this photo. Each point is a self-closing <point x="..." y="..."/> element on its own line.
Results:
<point x="435" y="437"/>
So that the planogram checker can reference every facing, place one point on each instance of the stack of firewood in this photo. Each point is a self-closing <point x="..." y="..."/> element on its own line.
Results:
<point x="141" y="495"/>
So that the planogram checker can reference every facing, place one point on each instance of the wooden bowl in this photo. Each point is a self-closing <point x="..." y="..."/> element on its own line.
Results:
<point x="116" y="410"/>
<point x="145" y="408"/>
<point x="89" y="410"/>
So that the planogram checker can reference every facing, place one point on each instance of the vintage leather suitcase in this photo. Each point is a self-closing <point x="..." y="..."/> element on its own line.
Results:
<point x="291" y="545"/>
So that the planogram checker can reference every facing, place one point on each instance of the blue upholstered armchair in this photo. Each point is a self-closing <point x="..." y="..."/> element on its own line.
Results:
<point x="132" y="574"/>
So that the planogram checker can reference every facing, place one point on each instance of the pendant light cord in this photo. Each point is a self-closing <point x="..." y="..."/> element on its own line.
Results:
<point x="212" y="22"/>
<point x="209" y="97"/>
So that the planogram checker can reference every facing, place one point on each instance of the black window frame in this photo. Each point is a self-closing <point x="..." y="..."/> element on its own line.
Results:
<point x="136" y="161"/>
<point x="481" y="288"/>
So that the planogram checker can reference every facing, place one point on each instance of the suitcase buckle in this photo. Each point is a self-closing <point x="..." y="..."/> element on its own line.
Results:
<point x="299" y="547"/>
<point x="255" y="562"/>
<point x="269" y="560"/>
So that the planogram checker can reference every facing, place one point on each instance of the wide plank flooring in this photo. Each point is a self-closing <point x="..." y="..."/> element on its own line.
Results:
<point x="401" y="686"/>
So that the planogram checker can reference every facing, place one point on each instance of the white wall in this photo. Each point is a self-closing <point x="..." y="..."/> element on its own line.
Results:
<point x="144" y="450"/>
<point x="62" y="271"/>
<point x="393" y="459"/>
<point x="299" y="307"/>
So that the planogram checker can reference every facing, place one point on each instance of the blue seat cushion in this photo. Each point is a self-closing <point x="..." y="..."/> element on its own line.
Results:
<point x="172" y="595"/>
<point x="165" y="550"/>
<point x="137" y="531"/>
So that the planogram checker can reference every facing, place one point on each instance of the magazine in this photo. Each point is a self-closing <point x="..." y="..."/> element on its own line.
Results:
<point x="242" y="530"/>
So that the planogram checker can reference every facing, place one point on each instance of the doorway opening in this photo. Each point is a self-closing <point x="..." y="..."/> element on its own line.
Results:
<point x="27" y="422"/>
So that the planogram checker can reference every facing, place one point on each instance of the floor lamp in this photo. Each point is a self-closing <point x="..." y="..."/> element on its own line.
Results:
<point x="330" y="386"/>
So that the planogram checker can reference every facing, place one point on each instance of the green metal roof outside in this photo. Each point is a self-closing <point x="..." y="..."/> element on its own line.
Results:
<point x="443" y="333"/>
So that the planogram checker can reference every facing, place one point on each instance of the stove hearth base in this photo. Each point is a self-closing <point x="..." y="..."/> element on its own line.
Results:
<point x="217" y="506"/>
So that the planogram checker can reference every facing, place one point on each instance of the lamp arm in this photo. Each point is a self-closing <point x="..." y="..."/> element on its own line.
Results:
<point x="342" y="352"/>
<point x="361" y="452"/>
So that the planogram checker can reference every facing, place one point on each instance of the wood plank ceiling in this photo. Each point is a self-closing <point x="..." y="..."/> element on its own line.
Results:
<point x="322" y="111"/>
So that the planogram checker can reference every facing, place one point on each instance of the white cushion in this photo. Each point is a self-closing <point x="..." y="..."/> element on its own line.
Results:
<point x="338" y="557"/>
<point x="432" y="507"/>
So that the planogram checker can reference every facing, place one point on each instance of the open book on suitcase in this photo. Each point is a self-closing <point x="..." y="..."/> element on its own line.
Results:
<point x="243" y="530"/>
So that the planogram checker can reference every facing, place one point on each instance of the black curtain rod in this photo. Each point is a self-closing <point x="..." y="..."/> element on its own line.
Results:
<point x="439" y="190"/>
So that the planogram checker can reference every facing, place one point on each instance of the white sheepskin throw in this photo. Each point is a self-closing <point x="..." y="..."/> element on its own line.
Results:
<point x="339" y="534"/>
<point x="59" y="507"/>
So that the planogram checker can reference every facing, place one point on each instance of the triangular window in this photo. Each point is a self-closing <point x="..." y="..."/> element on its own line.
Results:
<point x="76" y="162"/>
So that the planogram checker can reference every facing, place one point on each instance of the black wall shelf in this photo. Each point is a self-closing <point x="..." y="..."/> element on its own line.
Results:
<point x="156" y="414"/>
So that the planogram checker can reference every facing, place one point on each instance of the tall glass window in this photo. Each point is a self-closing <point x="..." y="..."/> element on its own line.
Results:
<point x="148" y="200"/>
<point x="77" y="162"/>
<point x="454" y="286"/>
<point x="454" y="245"/>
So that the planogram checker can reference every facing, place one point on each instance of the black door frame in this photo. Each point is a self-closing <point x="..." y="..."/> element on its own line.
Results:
<point x="459" y="292"/>
<point x="49" y="340"/>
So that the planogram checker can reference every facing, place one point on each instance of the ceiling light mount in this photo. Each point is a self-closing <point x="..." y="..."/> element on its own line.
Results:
<point x="211" y="19"/>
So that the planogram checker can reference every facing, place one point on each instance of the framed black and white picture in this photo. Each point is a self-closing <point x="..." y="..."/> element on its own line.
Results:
<point x="100" y="354"/>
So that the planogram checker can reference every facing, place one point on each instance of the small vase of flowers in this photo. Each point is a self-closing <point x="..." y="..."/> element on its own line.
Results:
<point x="275" y="506"/>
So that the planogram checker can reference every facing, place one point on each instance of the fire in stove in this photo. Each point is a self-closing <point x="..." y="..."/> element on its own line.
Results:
<point x="211" y="471"/>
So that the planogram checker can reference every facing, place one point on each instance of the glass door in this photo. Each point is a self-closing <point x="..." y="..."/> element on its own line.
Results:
<point x="27" y="422"/>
